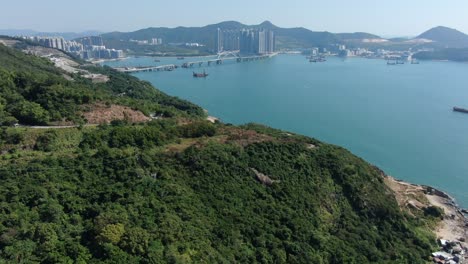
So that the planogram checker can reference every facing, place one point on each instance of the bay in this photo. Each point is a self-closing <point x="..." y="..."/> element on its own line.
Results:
<point x="398" y="118"/>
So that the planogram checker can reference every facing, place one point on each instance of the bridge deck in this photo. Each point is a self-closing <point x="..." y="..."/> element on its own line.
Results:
<point x="189" y="64"/>
<point x="146" y="69"/>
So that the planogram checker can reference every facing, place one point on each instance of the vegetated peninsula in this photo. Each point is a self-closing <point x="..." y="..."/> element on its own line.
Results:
<point x="450" y="54"/>
<point x="151" y="181"/>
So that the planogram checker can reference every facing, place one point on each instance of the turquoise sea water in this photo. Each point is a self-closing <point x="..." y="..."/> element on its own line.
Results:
<point x="397" y="117"/>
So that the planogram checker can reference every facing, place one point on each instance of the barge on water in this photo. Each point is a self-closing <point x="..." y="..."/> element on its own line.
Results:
<point x="461" y="110"/>
<point x="200" y="75"/>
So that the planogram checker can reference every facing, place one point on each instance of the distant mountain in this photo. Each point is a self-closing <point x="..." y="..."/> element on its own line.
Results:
<point x="305" y="38"/>
<point x="17" y="32"/>
<point x="399" y="39"/>
<point x="66" y="35"/>
<point x="446" y="37"/>
<point x="357" y="36"/>
<point x="286" y="37"/>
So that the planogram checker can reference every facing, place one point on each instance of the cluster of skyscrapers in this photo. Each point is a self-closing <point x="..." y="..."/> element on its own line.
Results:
<point x="86" y="48"/>
<point x="94" y="49"/>
<point x="92" y="41"/>
<point x="247" y="41"/>
<point x="57" y="43"/>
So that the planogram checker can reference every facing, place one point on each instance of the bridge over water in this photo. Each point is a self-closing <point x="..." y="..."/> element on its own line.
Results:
<point x="222" y="57"/>
<point x="169" y="67"/>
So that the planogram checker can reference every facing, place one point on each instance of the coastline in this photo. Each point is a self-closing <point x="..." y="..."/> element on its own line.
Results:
<point x="450" y="200"/>
<point x="170" y="56"/>
<point x="105" y="60"/>
<point x="188" y="56"/>
<point x="451" y="231"/>
<point x="145" y="56"/>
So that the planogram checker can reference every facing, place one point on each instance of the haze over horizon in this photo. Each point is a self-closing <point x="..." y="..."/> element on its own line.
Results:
<point x="396" y="18"/>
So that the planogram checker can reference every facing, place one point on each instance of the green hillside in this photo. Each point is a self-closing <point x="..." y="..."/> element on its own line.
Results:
<point x="35" y="92"/>
<point x="460" y="55"/>
<point x="182" y="190"/>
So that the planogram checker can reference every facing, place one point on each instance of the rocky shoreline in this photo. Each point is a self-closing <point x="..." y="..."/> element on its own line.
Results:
<point x="452" y="231"/>
<point x="453" y="235"/>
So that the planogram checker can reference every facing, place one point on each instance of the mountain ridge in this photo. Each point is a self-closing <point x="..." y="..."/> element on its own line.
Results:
<point x="297" y="36"/>
<point x="439" y="34"/>
<point x="286" y="37"/>
<point x="448" y="37"/>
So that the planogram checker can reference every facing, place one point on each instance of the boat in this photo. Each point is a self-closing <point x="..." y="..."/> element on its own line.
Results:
<point x="461" y="110"/>
<point x="157" y="60"/>
<point x="317" y="59"/>
<point x="200" y="75"/>
<point x="180" y="58"/>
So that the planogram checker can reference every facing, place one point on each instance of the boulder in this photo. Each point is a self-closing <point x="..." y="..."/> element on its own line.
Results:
<point x="457" y="250"/>
<point x="442" y="242"/>
<point x="442" y="255"/>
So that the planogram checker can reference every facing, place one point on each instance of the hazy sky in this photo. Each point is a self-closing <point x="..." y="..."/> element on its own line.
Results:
<point x="387" y="18"/>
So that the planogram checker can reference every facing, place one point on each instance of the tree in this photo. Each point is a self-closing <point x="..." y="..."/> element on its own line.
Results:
<point x="46" y="236"/>
<point x="30" y="113"/>
<point x="111" y="234"/>
<point x="5" y="118"/>
<point x="21" y="252"/>
<point x="135" y="241"/>
<point x="45" y="142"/>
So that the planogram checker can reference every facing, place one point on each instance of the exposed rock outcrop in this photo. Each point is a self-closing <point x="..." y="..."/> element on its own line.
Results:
<point x="264" y="179"/>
